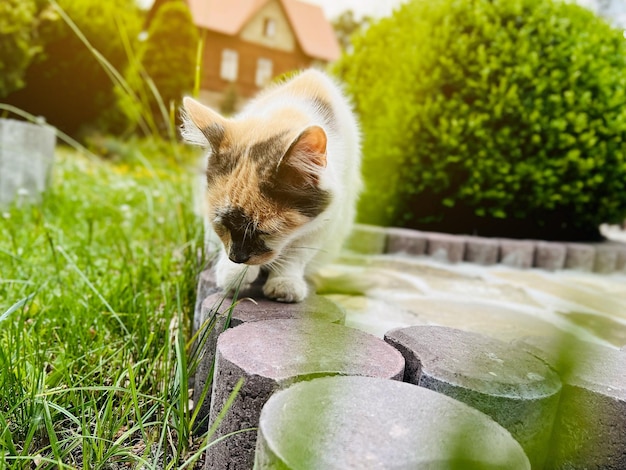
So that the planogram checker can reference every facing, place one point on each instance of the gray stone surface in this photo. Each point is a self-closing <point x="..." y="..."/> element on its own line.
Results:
<point x="481" y="250"/>
<point x="445" y="247"/>
<point x="355" y="423"/>
<point x="272" y="354"/>
<point x="513" y="387"/>
<point x="206" y="287"/>
<point x="26" y="159"/>
<point x="406" y="241"/>
<point x="550" y="255"/>
<point x="606" y="257"/>
<point x="251" y="307"/>
<point x="517" y="253"/>
<point x="579" y="256"/>
<point x="367" y="240"/>
<point x="620" y="265"/>
<point x="590" y="429"/>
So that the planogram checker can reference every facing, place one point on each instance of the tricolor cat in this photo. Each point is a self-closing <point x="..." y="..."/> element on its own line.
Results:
<point x="283" y="180"/>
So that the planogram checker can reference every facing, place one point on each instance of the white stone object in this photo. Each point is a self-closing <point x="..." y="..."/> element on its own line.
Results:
<point x="26" y="159"/>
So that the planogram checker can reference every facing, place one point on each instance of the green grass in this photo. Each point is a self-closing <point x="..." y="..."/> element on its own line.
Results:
<point x="97" y="287"/>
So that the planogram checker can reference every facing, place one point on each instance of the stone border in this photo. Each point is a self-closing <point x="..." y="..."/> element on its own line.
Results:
<point x="527" y="408"/>
<point x="603" y="257"/>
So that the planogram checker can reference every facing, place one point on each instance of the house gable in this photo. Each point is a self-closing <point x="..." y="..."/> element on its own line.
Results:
<point x="270" y="27"/>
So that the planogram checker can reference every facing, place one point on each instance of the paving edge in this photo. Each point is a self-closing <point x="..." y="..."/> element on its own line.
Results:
<point x="601" y="257"/>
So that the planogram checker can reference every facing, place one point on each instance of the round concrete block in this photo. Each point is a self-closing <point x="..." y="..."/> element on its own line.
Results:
<point x="251" y="307"/>
<point x="481" y="250"/>
<point x="550" y="255"/>
<point x="402" y="240"/>
<point x="517" y="253"/>
<point x="345" y="423"/>
<point x="590" y="429"/>
<point x="206" y="287"/>
<point x="579" y="256"/>
<point x="513" y="387"/>
<point x="272" y="354"/>
<point x="444" y="247"/>
<point x="606" y="258"/>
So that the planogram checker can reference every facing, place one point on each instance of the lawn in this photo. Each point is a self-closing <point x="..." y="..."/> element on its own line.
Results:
<point x="97" y="286"/>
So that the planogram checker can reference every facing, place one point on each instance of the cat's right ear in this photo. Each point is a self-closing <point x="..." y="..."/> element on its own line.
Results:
<point x="201" y="125"/>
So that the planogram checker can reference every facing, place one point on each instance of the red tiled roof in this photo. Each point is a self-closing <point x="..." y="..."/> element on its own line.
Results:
<point x="313" y="31"/>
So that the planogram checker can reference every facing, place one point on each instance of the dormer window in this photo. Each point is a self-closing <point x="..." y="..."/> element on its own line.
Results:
<point x="269" y="28"/>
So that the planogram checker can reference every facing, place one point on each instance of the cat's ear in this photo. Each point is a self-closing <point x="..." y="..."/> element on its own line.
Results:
<point x="306" y="156"/>
<point x="202" y="125"/>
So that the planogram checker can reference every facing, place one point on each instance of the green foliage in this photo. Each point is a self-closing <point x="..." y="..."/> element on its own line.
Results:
<point x="502" y="117"/>
<point x="17" y="48"/>
<point x="228" y="105"/>
<point x="346" y="25"/>
<point x="163" y="70"/>
<point x="96" y="300"/>
<point x="68" y="84"/>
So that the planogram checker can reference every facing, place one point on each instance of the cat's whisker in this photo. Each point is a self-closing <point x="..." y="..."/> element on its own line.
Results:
<point x="246" y="231"/>
<point x="321" y="250"/>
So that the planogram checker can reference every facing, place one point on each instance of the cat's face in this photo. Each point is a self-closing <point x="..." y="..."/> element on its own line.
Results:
<point x="262" y="182"/>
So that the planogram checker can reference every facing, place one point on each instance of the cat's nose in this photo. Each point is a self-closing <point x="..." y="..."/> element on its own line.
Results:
<point x="238" y="257"/>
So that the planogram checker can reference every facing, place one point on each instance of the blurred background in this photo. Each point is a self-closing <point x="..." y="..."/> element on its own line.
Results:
<point x="482" y="117"/>
<point x="502" y="118"/>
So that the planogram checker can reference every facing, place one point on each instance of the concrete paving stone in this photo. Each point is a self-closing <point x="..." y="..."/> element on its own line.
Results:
<point x="606" y="257"/>
<point x="516" y="389"/>
<point x="367" y="240"/>
<point x="445" y="247"/>
<point x="481" y="250"/>
<point x="406" y="241"/>
<point x="206" y="287"/>
<point x="272" y="354"/>
<point x="579" y="256"/>
<point x="620" y="265"/>
<point x="503" y="322"/>
<point x="251" y="307"/>
<point x="550" y="255"/>
<point x="590" y="429"/>
<point x="517" y="253"/>
<point x="355" y="423"/>
<point x="598" y="325"/>
<point x="587" y="297"/>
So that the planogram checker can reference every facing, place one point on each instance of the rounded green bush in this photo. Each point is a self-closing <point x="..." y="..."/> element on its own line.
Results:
<point x="494" y="117"/>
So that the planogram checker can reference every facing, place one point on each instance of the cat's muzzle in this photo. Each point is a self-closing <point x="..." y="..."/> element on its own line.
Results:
<point x="243" y="256"/>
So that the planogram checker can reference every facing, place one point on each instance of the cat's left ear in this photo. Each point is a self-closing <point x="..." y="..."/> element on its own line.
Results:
<point x="197" y="117"/>
<point x="306" y="154"/>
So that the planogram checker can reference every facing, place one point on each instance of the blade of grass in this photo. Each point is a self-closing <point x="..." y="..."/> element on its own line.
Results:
<point x="52" y="436"/>
<point x="198" y="70"/>
<point x="16" y="306"/>
<point x="97" y="292"/>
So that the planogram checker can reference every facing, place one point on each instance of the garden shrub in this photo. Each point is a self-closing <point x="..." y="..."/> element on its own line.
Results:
<point x="493" y="117"/>
<point x="166" y="60"/>
<point x="65" y="82"/>
<point x="17" y="45"/>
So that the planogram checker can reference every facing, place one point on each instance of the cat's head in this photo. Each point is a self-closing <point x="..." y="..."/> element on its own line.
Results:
<point x="263" y="178"/>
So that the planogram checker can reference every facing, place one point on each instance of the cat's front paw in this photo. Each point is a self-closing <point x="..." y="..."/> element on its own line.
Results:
<point x="285" y="289"/>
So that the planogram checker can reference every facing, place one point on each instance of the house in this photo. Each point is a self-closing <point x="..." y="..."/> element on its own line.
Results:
<point x="249" y="42"/>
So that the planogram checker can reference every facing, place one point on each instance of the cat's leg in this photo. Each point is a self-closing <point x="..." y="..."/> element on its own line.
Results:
<point x="229" y="276"/>
<point x="285" y="281"/>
